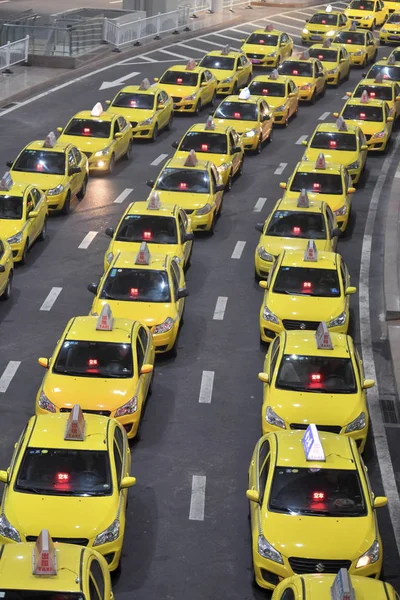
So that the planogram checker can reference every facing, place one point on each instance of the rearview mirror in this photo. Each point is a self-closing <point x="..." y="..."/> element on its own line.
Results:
<point x="108" y="102"/>
<point x="364" y="74"/>
<point x="379" y="501"/>
<point x="291" y="95"/>
<point x="351" y="190"/>
<point x="109" y="232"/>
<point x="150" y="183"/>
<point x="188" y="237"/>
<point x="266" y="117"/>
<point x="368" y="383"/>
<point x="10" y="163"/>
<point x="283" y="185"/>
<point x="253" y="496"/>
<point x="264" y="377"/>
<point x="118" y="135"/>
<point x="304" y="143"/>
<point x="243" y="41"/>
<point x="4" y="476"/>
<point x="397" y="98"/>
<point x="236" y="149"/>
<point x="44" y="362"/>
<point x="2" y="269"/>
<point x="175" y="144"/>
<point x="92" y="287"/>
<point x="263" y="284"/>
<point x="60" y="129"/>
<point x="220" y="187"/>
<point x="127" y="482"/>
<point x="336" y="115"/>
<point x="336" y="232"/>
<point x="146" y="368"/>
<point x="259" y="227"/>
<point x="182" y="293"/>
<point x="350" y="290"/>
<point x="364" y="147"/>
<point x="390" y="119"/>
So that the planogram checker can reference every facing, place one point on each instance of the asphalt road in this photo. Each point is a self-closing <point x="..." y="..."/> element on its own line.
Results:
<point x="166" y="554"/>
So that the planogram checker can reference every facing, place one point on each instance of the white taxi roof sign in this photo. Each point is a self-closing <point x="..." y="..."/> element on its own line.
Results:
<point x="191" y="160"/>
<point x="311" y="253"/>
<point x="391" y="60"/>
<point x="97" y="110"/>
<point x="50" y="140"/>
<point x="154" y="202"/>
<point x="320" y="162"/>
<point x="225" y="50"/>
<point x="145" y="84"/>
<point x="245" y="94"/>
<point x="303" y="201"/>
<point x="210" y="123"/>
<point x="328" y="8"/>
<point x="312" y="445"/>
<point x="327" y="43"/>
<point x="75" y="429"/>
<point x="305" y="55"/>
<point x="105" y="320"/>
<point x="269" y="27"/>
<point x="364" y="97"/>
<point x="323" y="339"/>
<point x="379" y="77"/>
<point x="274" y="74"/>
<point x="342" y="588"/>
<point x="6" y="182"/>
<point x="143" y="256"/>
<point x="44" y="561"/>
<point x="192" y="64"/>
<point x="341" y="124"/>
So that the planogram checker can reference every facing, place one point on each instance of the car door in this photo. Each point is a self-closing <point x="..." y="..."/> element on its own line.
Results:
<point x="3" y="274"/>
<point x="73" y="177"/>
<point x="118" y="142"/>
<point x="167" y="104"/>
<point x="265" y="118"/>
<point x="245" y="71"/>
<point x="291" y="91"/>
<point x="332" y="225"/>
<point x="258" y="480"/>
<point x="344" y="274"/>
<point x="270" y="366"/>
<point x="204" y="89"/>
<point x="145" y="341"/>
<point x="125" y="129"/>
<point x="234" y="156"/>
<point x="160" y="111"/>
<point x="79" y="178"/>
<point x="283" y="47"/>
<point x="319" y="74"/>
<point x="40" y="208"/>
<point x="97" y="581"/>
<point x="142" y="385"/>
<point x="215" y="180"/>
<point x="182" y="226"/>
<point x="176" y="276"/>
<point x="32" y="227"/>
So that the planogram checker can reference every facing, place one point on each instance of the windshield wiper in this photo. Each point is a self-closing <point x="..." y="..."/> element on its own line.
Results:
<point x="33" y="490"/>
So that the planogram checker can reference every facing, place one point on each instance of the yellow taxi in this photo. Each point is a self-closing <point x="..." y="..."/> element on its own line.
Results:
<point x="69" y="473"/>
<point x="368" y="13"/>
<point x="394" y="56"/>
<point x="315" y="377"/>
<point x="324" y="24"/>
<point x="308" y="74"/>
<point x="150" y="288"/>
<point x="23" y="216"/>
<point x="57" y="168"/>
<point x="104" y="364"/>
<point x="392" y="5"/>
<point x="303" y="289"/>
<point x="6" y="268"/>
<point x="191" y="87"/>
<point x="281" y="93"/>
<point x="311" y="506"/>
<point x="390" y="32"/>
<point x="250" y="116"/>
<point x="165" y="227"/>
<point x="289" y="227"/>
<point x="361" y="46"/>
<point x="47" y="569"/>
<point x="380" y="89"/>
<point x="148" y="109"/>
<point x="342" y="143"/>
<point x="193" y="184"/>
<point x="388" y="68"/>
<point x="334" y="59"/>
<point x="373" y="117"/>
<point x="104" y="137"/>
<point x="323" y="181"/>
<point x="231" y="68"/>
<point x="220" y="144"/>
<point x="267" y="47"/>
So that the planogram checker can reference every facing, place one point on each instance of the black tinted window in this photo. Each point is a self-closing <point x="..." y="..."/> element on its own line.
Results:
<point x="237" y="110"/>
<point x="264" y="39"/>
<point x="185" y="78"/>
<point x="351" y="37"/>
<point x="94" y="359"/>
<point x="318" y="183"/>
<point x="334" y="141"/>
<point x="296" y="68"/>
<point x="88" y="128"/>
<point x="318" y="374"/>
<point x="11" y="207"/>
<point x="363" y="112"/>
<point x="38" y="161"/>
<point x="153" y="230"/>
<point x="306" y="281"/>
<point x="198" y="141"/>
<point x="134" y="100"/>
<point x="388" y="72"/>
<point x="324" y="19"/>
<point x="378" y="92"/>
<point x="137" y="285"/>
<point x="182" y="180"/>
<point x="324" y="55"/>
<point x="362" y="5"/>
<point x="267" y="88"/>
<point x="301" y="225"/>
<point x="225" y="63"/>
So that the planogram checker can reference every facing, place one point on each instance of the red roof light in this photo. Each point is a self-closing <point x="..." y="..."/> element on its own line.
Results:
<point x="86" y="131"/>
<point x="62" y="477"/>
<point x="183" y="185"/>
<point x="362" y="115"/>
<point x="147" y="235"/>
<point x="316" y="377"/>
<point x="237" y="115"/>
<point x="296" y="230"/>
<point x="316" y="186"/>
<point x="295" y="72"/>
<point x="204" y="147"/>
<point x="179" y="80"/>
<point x="134" y="292"/>
<point x="332" y="144"/>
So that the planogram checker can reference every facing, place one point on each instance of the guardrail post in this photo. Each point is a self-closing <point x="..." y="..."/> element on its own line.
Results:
<point x="8" y="58"/>
<point x="177" y="22"/>
<point x="158" y="37"/>
<point x="118" y="41"/>
<point x="137" y="43"/>
<point x="26" y="49"/>
<point x="186" y="18"/>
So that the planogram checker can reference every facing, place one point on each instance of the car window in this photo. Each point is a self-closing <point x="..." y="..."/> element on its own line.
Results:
<point x="118" y="461"/>
<point x="144" y="338"/>
<point x="175" y="280"/>
<point x="119" y="440"/>
<point x="331" y="219"/>
<point x="274" y="356"/>
<point x="96" y="573"/>
<point x="36" y="195"/>
<point x="213" y="180"/>
<point x="164" y="96"/>
<point x="288" y="594"/>
<point x="1" y="249"/>
<point x="30" y="204"/>
<point x="116" y="127"/>
<point x="343" y="273"/>
<point x="122" y="123"/>
<point x="77" y="155"/>
<point x="184" y="218"/>
<point x="71" y="160"/>
<point x="182" y="228"/>
<point x="93" y="591"/>
<point x="140" y="353"/>
<point x="264" y="468"/>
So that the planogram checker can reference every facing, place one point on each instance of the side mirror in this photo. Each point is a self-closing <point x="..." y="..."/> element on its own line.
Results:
<point x="266" y="117"/>
<point x="127" y="482"/>
<point x="150" y="183"/>
<point x="44" y="362"/>
<point x="182" y="293"/>
<point x="109" y="232"/>
<point x="368" y="383"/>
<point x="146" y="368"/>
<point x="240" y="68"/>
<point x="390" y="119"/>
<point x="2" y="269"/>
<point x="291" y="95"/>
<point x="351" y="190"/>
<point x="118" y="136"/>
<point x="59" y="129"/>
<point x="336" y="115"/>
<point x="397" y="98"/>
<point x="350" y="290"/>
<point x="264" y="377"/>
<point x="188" y="237"/>
<point x="243" y="41"/>
<point x="342" y="60"/>
<point x="108" y="102"/>
<point x="74" y="170"/>
<point x="304" y="143"/>
<point x="379" y="501"/>
<point x="236" y="149"/>
<point x="160" y="106"/>
<point x="33" y="214"/>
<point x="283" y="185"/>
<point x="348" y="94"/>
<point x="156" y="79"/>
<point x="364" y="147"/>
<point x="175" y="144"/>
<point x="92" y="287"/>
<point x="260" y="227"/>
<point x="307" y="20"/>
<point x="204" y="84"/>
<point x="364" y="74"/>
<point x="10" y="163"/>
<point x="253" y="496"/>
<point x="220" y="187"/>
<point x="263" y="284"/>
<point x="337" y="232"/>
<point x="3" y="476"/>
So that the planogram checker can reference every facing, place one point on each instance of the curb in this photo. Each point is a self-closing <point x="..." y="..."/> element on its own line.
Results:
<point x="391" y="255"/>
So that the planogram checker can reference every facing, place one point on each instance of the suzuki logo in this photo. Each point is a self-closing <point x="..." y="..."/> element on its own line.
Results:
<point x="320" y="568"/>
<point x="302" y="326"/>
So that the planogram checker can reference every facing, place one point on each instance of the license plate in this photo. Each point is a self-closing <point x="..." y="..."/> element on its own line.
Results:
<point x="393" y="37"/>
<point x="255" y="61"/>
<point x="315" y="37"/>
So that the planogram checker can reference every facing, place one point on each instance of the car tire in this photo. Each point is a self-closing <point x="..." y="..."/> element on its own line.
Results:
<point x="235" y="89"/>
<point x="212" y="228"/>
<point x="128" y="153"/>
<point x="7" y="292"/>
<point x="42" y="235"/>
<point x="322" y="94"/>
<point x="67" y="205"/>
<point x="229" y="183"/>
<point x="258" y="149"/>
<point x="198" y="108"/>
<point x="24" y="257"/>
<point x="313" y="98"/>
<point x="286" y="123"/>
<point x="270" y="137"/>
<point x="239" y="172"/>
<point x="373" y="59"/>
<point x="382" y="43"/>
<point x="168" y="126"/>
<point x="373" y="25"/>
<point x="111" y="165"/>
<point x="155" y="133"/>
<point x="82" y="192"/>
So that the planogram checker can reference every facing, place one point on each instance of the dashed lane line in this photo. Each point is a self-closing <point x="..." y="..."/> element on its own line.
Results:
<point x="220" y="308"/>
<point x="238" y="250"/>
<point x="159" y="159"/>
<point x="51" y="298"/>
<point x="198" y="498"/>
<point x="162" y="51"/>
<point x="206" y="387"/>
<point x="228" y="37"/>
<point x="202" y="39"/>
<point x="259" y="204"/>
<point x="8" y="375"/>
<point x="123" y="195"/>
<point x="324" y="116"/>
<point x="280" y="169"/>
<point x="87" y="240"/>
<point x="301" y="139"/>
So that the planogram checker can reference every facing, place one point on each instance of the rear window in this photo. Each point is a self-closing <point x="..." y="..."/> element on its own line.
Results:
<point x="318" y="183"/>
<point x="291" y="224"/>
<point x="144" y="228"/>
<point x="388" y="72"/>
<point x="65" y="472"/>
<point x="350" y="37"/>
<point x="185" y="78"/>
<point x="11" y="207"/>
<point x="377" y="92"/>
<point x="136" y="285"/>
<point x="88" y="128"/>
<point x="94" y="359"/>
<point x="334" y="141"/>
<point x="263" y="39"/>
<point x="296" y="68"/>
<point x="225" y="63"/>
<point x="183" y="180"/>
<point x="324" y="19"/>
<point x="363" y="112"/>
<point x="394" y="19"/>
<point x="40" y="161"/>
<point x="318" y="374"/>
<point x="243" y="111"/>
<point x="134" y="100"/>
<point x="324" y="55"/>
<point x="306" y="281"/>
<point x="362" y="5"/>
<point x="267" y="88"/>
<point x="216" y="143"/>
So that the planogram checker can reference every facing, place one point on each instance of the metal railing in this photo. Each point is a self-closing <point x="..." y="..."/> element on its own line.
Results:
<point x="13" y="53"/>
<point x="133" y="32"/>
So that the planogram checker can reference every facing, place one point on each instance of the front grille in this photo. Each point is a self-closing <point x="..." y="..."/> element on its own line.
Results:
<point x="317" y="565"/>
<point x="134" y="123"/>
<point x="103" y="413"/>
<point x="75" y="541"/>
<point x="176" y="99"/>
<point x="291" y="324"/>
<point x="328" y="428"/>
<point x="368" y="136"/>
<point x="88" y="154"/>
<point x="317" y="32"/>
<point x="188" y="212"/>
<point x="252" y="55"/>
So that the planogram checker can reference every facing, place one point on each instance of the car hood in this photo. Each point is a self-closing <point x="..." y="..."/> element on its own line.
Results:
<point x="274" y="101"/>
<point x="217" y="159"/>
<point x="259" y="49"/>
<point x="320" y="27"/>
<point x="148" y="313"/>
<point x="185" y="200"/>
<point x="341" y="157"/>
<point x="85" y="144"/>
<point x="43" y="181"/>
<point x="276" y="245"/>
<point x="222" y="74"/>
<point x="335" y="201"/>
<point x="173" y="249"/>
<point x="238" y="125"/>
<point x="179" y="91"/>
<point x="368" y="127"/>
<point x="307" y="308"/>
<point x="358" y="13"/>
<point x="299" y="81"/>
<point x="135" y="114"/>
<point x="9" y="227"/>
<point x="352" y="48"/>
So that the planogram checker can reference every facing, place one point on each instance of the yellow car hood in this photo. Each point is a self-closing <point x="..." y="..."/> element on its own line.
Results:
<point x="238" y="125"/>
<point x="310" y="537"/>
<point x="92" y="393"/>
<point x="368" y="127"/>
<point x="308" y="308"/>
<point x="180" y="91"/>
<point x="134" y="114"/>
<point x="9" y="228"/>
<point x="299" y="81"/>
<point x="221" y="74"/>
<point x="217" y="159"/>
<point x="339" y="157"/>
<point x="259" y="49"/>
<point x="185" y="200"/>
<point x="43" y="181"/>
<point x="358" y="13"/>
<point x="173" y="249"/>
<point x="149" y="313"/>
<point x="274" y="101"/>
<point x="86" y="144"/>
<point x="352" y="48"/>
<point x="276" y="245"/>
<point x="312" y="27"/>
<point x="335" y="201"/>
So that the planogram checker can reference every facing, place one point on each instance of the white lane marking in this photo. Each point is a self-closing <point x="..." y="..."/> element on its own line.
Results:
<point x="206" y="387"/>
<point x="123" y="195"/>
<point x="51" y="298"/>
<point x="220" y="307"/>
<point x="237" y="252"/>
<point x="202" y="39"/>
<point x="228" y="37"/>
<point x="280" y="169"/>
<point x="192" y="48"/>
<point x="259" y="204"/>
<point x="109" y="84"/>
<point x="8" y="374"/>
<point x="301" y="139"/>
<point x="397" y="174"/>
<point x="159" y="159"/>
<point x="153" y="60"/>
<point x="291" y="27"/>
<point x="378" y="428"/>
<point x="174" y="54"/>
<point x="324" y="116"/>
<point x="345" y="97"/>
<point x="4" y="1"/>
<point x="87" y="240"/>
<point x="241" y="30"/>
<point x="294" y="18"/>
<point x="116" y="1"/>
<point x="198" y="498"/>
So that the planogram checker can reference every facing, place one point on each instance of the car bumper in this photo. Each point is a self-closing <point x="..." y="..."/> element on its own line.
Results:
<point x="362" y="23"/>
<point x="99" y="163"/>
<point x="266" y="61"/>
<point x="355" y="174"/>
<point x="164" y="342"/>
<point x="333" y="79"/>
<point x="262" y="267"/>
<point x="202" y="222"/>
<point x="314" y="38"/>
<point x="357" y="59"/>
<point x="269" y="330"/>
<point x="225" y="89"/>
<point x="250" y="143"/>
<point x="55" y="203"/>
<point x="280" y="117"/>
<point x="389" y="37"/>
<point x="186" y="106"/>
<point x="145" y="132"/>
<point x="377" y="145"/>
<point x="306" y="95"/>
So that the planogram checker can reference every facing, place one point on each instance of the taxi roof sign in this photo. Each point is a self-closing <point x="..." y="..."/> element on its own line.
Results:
<point x="75" y="429"/>
<point x="328" y="8"/>
<point x="320" y="162"/>
<point x="364" y="97"/>
<point x="327" y="43"/>
<point x="391" y="60"/>
<point x="97" y="110"/>
<point x="324" y="341"/>
<point x="210" y="123"/>
<point x="50" y="140"/>
<point x="274" y="74"/>
<point x="341" y="124"/>
<point x="145" y="84"/>
<point x="353" y="25"/>
<point x="379" y="77"/>
<point x="143" y="256"/>
<point x="305" y="55"/>
<point x="303" y="201"/>
<point x="6" y="182"/>
<point x="311" y="253"/>
<point x="269" y="27"/>
<point x="154" y="202"/>
<point x="105" y="320"/>
<point x="245" y="94"/>
<point x="225" y="50"/>
<point x="191" y="160"/>
<point x="192" y="64"/>
<point x="312" y="445"/>
<point x="342" y="588"/>
<point x="44" y="555"/>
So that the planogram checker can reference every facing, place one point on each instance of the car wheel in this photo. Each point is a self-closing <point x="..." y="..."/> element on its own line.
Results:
<point x="259" y="145"/>
<point x="286" y="123"/>
<point x="7" y="292"/>
<point x="235" y="89"/>
<point x="111" y="165"/>
<point x="198" y="108"/>
<point x="213" y="99"/>
<point x="128" y="153"/>
<point x="323" y="91"/>
<point x="270" y="137"/>
<point x="168" y="126"/>
<point x="381" y="43"/>
<point x="229" y="183"/>
<point x="82" y="192"/>
<point x="211" y="231"/>
<point x="373" y="59"/>
<point x="67" y="205"/>
<point x="155" y="133"/>
<point x="373" y="25"/>
<point x="24" y="258"/>
<point x="313" y="98"/>
<point x="240" y="169"/>
<point x="43" y="233"/>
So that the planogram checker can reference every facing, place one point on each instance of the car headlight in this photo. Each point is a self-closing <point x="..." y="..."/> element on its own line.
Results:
<point x="45" y="403"/>
<point x="148" y="121"/>
<point x="269" y="316"/>
<point x="223" y="167"/>
<point x="383" y="30"/>
<point x="274" y="419"/>
<point x="204" y="209"/>
<point x="16" y="239"/>
<point x="280" y="108"/>
<point x="332" y="71"/>
<point x="339" y="320"/>
<point x="262" y="253"/>
<point x="108" y="535"/>
<point x="227" y="80"/>
<point x="353" y="165"/>
<point x="55" y="191"/>
<point x="103" y="152"/>
<point x="358" y="423"/>
<point x="358" y="53"/>
<point x="370" y="556"/>
<point x="251" y="133"/>
<point x="192" y="97"/>
<point x="341" y="211"/>
<point x="165" y="326"/>
<point x="109" y="257"/>
<point x="380" y="134"/>
<point x="128" y="408"/>
<point x="7" y="530"/>
<point x="306" y="86"/>
<point x="331" y="32"/>
<point x="268" y="551"/>
<point x="272" y="54"/>
<point x="368" y="18"/>
<point x="305" y="30"/>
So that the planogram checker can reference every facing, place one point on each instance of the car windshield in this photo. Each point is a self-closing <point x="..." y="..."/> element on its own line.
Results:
<point x="363" y="112"/>
<point x="264" y="39"/>
<point x="184" y="180"/>
<point x="333" y="140"/>
<point x="64" y="472"/>
<point x="351" y="37"/>
<point x="244" y="111"/>
<point x="145" y="228"/>
<point x="11" y="207"/>
<point x="267" y="88"/>
<point x="324" y="19"/>
<point x="317" y="183"/>
<point x="137" y="285"/>
<point x="306" y="281"/>
<point x="292" y="224"/>
<point x="40" y="161"/>
<point x="225" y="63"/>
<point x="88" y="128"/>
<point x="215" y="143"/>
<point x="378" y="92"/>
<point x="324" y="55"/>
<point x="296" y="68"/>
<point x="388" y="72"/>
<point x="38" y="595"/>
<point x="94" y="359"/>
<point x="318" y="374"/>
<point x="314" y="491"/>
<point x="394" y="19"/>
<point x="361" y="5"/>
<point x="185" y="78"/>
<point x="134" y="100"/>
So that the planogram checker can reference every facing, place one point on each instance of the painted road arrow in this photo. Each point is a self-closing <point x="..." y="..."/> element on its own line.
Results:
<point x="110" y="84"/>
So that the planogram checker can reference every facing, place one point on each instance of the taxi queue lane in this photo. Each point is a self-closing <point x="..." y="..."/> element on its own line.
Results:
<point x="180" y="438"/>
